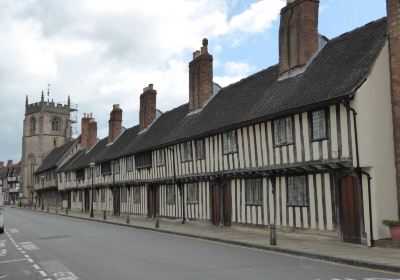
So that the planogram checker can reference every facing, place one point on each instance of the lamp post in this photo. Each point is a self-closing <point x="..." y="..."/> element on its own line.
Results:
<point x="41" y="195"/>
<point x="92" y="165"/>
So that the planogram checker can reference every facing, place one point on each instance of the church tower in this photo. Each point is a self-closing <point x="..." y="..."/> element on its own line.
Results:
<point x="47" y="125"/>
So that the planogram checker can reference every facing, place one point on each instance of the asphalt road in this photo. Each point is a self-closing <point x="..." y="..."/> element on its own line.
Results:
<point x="45" y="246"/>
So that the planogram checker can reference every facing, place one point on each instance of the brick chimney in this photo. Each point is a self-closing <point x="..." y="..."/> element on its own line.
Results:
<point x="85" y="130"/>
<point x="393" y="18"/>
<point x="147" y="113"/>
<point x="92" y="132"/>
<point x="298" y="34"/>
<point x="114" y="124"/>
<point x="200" y="77"/>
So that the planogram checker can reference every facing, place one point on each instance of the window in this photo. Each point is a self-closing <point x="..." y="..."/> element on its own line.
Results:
<point x="61" y="177"/>
<point x="106" y="168"/>
<point x="143" y="160"/>
<point x="129" y="163"/>
<point x="88" y="173"/>
<point x="80" y="196"/>
<point x="200" y="149"/>
<point x="69" y="177"/>
<point x="297" y="191"/>
<point x="116" y="166"/>
<point x="171" y="195"/>
<point x="283" y="131"/>
<point x="55" y="125"/>
<point x="98" y="170"/>
<point x="136" y="195"/>
<point x="186" y="151"/>
<point x="80" y="174"/>
<point x="230" y="142"/>
<point x="254" y="192"/>
<point x="193" y="193"/>
<point x="33" y="125"/>
<point x="74" y="196"/>
<point x="94" y="196"/>
<point x="318" y="122"/>
<point x="103" y="195"/>
<point x="160" y="157"/>
<point x="124" y="194"/>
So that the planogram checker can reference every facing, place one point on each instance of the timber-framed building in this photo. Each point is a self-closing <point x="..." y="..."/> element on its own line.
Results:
<point x="308" y="144"/>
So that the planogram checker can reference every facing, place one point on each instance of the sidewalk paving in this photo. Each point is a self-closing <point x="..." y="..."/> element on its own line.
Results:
<point x="322" y="247"/>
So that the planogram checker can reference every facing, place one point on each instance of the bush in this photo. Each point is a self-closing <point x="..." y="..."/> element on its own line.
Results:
<point x="391" y="223"/>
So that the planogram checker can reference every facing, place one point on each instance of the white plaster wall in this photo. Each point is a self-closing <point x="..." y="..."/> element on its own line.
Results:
<point x="376" y="147"/>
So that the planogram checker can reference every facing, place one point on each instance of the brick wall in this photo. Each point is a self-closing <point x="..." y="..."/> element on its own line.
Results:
<point x="393" y="12"/>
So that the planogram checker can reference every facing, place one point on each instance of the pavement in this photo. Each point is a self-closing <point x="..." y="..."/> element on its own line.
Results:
<point x="37" y="245"/>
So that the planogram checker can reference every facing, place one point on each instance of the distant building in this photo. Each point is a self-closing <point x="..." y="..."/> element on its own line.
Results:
<point x="47" y="125"/>
<point x="10" y="181"/>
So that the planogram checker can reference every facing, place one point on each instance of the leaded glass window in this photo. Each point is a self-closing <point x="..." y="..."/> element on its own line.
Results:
<point x="136" y="195"/>
<point x="297" y="191"/>
<point x="171" y="195"/>
<point x="192" y="193"/>
<point x="319" y="125"/>
<point x="186" y="151"/>
<point x="254" y="192"/>
<point x="129" y="163"/>
<point x="160" y="157"/>
<point x="230" y="142"/>
<point x="200" y="149"/>
<point x="283" y="131"/>
<point x="124" y="194"/>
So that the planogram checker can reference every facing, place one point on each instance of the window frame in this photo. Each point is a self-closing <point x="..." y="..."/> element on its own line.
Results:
<point x="130" y="164"/>
<point x="117" y="166"/>
<point x="184" y="157"/>
<point x="137" y="192"/>
<point x="190" y="200"/>
<point x="106" y="168"/>
<point x="56" y="121"/>
<point x="103" y="195"/>
<point x="306" y="189"/>
<point x="203" y="152"/>
<point x="124" y="194"/>
<point x="160" y="154"/>
<point x="286" y="143"/>
<point x="251" y="188"/>
<point x="140" y="157"/>
<point x="311" y="125"/>
<point x="225" y="145"/>
<point x="170" y="195"/>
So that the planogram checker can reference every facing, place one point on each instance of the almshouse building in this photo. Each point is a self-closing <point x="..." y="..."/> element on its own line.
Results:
<point x="308" y="144"/>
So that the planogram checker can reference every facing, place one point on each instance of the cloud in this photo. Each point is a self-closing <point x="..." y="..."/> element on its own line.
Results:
<point x="103" y="52"/>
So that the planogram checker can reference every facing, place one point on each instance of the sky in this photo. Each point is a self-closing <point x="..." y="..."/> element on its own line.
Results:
<point x="103" y="52"/>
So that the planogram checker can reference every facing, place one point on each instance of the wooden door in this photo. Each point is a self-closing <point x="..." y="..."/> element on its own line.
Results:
<point x="153" y="201"/>
<point x="227" y="205"/>
<point x="87" y="200"/>
<point x="221" y="201"/>
<point x="117" y="201"/>
<point x="215" y="204"/>
<point x="350" y="210"/>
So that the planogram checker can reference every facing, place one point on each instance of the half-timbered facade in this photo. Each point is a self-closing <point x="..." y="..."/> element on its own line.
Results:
<point x="306" y="144"/>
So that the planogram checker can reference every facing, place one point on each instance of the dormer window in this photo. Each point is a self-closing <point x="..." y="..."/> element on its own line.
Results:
<point x="33" y="125"/>
<point x="55" y="124"/>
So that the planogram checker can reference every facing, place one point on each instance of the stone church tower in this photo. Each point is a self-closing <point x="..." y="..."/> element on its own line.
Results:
<point x="47" y="125"/>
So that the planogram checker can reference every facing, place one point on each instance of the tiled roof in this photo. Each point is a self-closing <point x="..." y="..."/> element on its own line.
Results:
<point x="340" y="68"/>
<point x="54" y="157"/>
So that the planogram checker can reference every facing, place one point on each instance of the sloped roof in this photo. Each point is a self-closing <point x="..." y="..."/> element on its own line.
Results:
<point x="340" y="68"/>
<point x="67" y="165"/>
<point x="54" y="157"/>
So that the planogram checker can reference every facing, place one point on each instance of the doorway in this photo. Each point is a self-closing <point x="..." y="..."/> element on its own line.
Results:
<point x="350" y="209"/>
<point x="221" y="203"/>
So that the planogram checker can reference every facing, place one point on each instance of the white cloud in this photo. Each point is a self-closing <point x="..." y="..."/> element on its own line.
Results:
<point x="103" y="52"/>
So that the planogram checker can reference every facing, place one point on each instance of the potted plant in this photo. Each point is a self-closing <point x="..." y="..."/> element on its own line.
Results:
<point x="394" y="228"/>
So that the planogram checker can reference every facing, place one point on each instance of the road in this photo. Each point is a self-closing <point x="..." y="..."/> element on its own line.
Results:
<point x="44" y="246"/>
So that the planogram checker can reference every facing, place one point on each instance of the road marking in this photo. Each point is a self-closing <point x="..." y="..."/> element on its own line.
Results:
<point x="30" y="260"/>
<point x="3" y="276"/>
<point x="65" y="276"/>
<point x="13" y="261"/>
<point x="3" y="252"/>
<point x="35" y="266"/>
<point x="26" y="256"/>
<point x="44" y="274"/>
<point x="28" y="246"/>
<point x="13" y="230"/>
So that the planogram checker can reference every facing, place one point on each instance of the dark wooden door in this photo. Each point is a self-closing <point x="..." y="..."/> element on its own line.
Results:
<point x="153" y="201"/>
<point x="86" y="198"/>
<point x="117" y="201"/>
<point x="350" y="210"/>
<point x="221" y="201"/>
<point x="216" y="204"/>
<point x="69" y="200"/>
<point x="227" y="207"/>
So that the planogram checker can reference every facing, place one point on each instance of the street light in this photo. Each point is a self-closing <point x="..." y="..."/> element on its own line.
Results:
<point x="41" y="195"/>
<point x="92" y="165"/>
